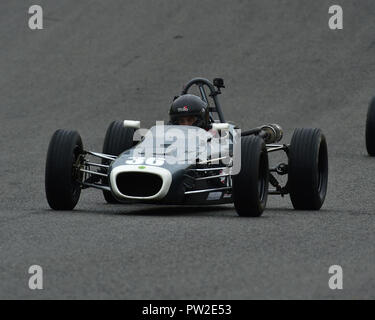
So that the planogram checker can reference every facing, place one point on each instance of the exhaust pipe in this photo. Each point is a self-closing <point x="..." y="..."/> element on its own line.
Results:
<point x="271" y="133"/>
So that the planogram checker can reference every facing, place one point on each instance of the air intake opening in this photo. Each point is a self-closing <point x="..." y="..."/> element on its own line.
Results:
<point x="136" y="184"/>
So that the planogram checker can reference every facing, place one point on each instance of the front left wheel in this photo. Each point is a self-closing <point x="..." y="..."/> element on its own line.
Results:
<point x="62" y="175"/>
<point x="250" y="185"/>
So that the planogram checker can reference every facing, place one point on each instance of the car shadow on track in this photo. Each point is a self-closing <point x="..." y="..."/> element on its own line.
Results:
<point x="181" y="211"/>
<point x="152" y="211"/>
<point x="135" y="210"/>
<point x="290" y="210"/>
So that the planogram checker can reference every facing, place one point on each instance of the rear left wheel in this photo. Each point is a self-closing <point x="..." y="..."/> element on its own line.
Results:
<point x="117" y="140"/>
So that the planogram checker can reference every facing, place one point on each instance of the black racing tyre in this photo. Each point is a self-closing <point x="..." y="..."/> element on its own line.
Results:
<point x="308" y="169"/>
<point x="117" y="140"/>
<point x="370" y="129"/>
<point x="250" y="185"/>
<point x="62" y="175"/>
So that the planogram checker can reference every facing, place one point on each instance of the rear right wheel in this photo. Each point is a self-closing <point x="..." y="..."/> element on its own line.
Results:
<point x="308" y="169"/>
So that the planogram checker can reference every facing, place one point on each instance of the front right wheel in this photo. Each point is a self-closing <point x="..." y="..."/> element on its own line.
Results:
<point x="250" y="185"/>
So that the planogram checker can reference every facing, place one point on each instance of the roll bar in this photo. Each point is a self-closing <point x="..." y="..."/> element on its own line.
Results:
<point x="214" y="92"/>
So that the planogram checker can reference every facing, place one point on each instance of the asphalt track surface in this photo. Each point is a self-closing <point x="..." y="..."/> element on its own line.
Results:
<point x="97" y="61"/>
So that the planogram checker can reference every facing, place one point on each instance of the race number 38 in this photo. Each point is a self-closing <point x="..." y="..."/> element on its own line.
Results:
<point x="149" y="161"/>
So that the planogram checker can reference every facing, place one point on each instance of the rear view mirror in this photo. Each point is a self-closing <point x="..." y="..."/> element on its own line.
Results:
<point x="132" y="124"/>
<point x="220" y="126"/>
<point x="219" y="83"/>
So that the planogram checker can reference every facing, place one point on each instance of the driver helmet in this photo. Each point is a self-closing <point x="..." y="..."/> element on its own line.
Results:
<point x="189" y="105"/>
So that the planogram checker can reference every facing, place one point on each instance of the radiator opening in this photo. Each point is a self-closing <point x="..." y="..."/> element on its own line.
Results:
<point x="137" y="184"/>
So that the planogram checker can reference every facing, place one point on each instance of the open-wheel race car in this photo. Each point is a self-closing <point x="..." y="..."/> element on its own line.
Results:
<point x="231" y="167"/>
